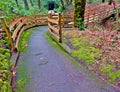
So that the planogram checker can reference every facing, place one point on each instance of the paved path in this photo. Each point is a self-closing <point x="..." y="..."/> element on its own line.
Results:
<point x="51" y="71"/>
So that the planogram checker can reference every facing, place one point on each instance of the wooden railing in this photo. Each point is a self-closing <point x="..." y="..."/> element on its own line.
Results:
<point x="98" y="13"/>
<point x="92" y="14"/>
<point x="55" y="27"/>
<point x="55" y="22"/>
<point x="58" y="21"/>
<point x="67" y="20"/>
<point x="18" y="25"/>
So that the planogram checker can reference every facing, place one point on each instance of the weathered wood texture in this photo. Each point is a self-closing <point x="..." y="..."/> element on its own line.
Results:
<point x="55" y="27"/>
<point x="18" y="25"/>
<point x="55" y="22"/>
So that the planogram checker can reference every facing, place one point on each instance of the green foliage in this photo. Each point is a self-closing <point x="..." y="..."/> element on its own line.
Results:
<point x="105" y="69"/>
<point x="85" y="50"/>
<point x="9" y="7"/>
<point x="80" y="24"/>
<point x="5" y="65"/>
<point x="113" y="76"/>
<point x="22" y="77"/>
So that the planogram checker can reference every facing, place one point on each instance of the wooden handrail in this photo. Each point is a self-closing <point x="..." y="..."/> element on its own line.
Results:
<point x="6" y="28"/>
<point x="18" y="26"/>
<point x="14" y="23"/>
<point x="56" y="31"/>
<point x="55" y="22"/>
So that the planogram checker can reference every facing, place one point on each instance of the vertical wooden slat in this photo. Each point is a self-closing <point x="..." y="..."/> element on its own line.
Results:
<point x="8" y="33"/>
<point x="49" y="16"/>
<point x="60" y="27"/>
<point x="35" y="19"/>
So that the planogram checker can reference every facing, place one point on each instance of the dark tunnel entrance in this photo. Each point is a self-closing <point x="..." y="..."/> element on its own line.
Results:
<point x="51" y="6"/>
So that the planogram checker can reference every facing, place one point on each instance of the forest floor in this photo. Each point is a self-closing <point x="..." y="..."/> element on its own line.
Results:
<point x="99" y="49"/>
<point x="52" y="70"/>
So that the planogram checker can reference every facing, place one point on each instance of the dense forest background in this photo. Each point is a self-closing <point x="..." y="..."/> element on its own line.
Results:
<point x="10" y="8"/>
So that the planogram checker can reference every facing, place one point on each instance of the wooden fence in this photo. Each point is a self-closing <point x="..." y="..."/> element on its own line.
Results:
<point x="98" y="13"/>
<point x="18" y="25"/>
<point x="55" y="26"/>
<point x="55" y="22"/>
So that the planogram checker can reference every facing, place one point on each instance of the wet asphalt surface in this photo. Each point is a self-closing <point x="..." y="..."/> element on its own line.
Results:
<point x="51" y="71"/>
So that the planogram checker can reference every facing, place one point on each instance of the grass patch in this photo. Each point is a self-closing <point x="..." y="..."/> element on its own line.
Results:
<point x="22" y="77"/>
<point x="24" y="39"/>
<point x="113" y="76"/>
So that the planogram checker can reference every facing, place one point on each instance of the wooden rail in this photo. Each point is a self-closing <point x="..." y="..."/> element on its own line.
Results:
<point x="92" y="14"/>
<point x="55" y="27"/>
<point x="55" y="22"/>
<point x="15" y="29"/>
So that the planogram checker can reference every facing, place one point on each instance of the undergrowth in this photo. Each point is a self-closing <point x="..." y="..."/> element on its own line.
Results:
<point x="5" y="65"/>
<point x="98" y="52"/>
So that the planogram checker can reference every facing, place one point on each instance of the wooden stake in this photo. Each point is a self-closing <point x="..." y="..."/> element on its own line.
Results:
<point x="6" y="28"/>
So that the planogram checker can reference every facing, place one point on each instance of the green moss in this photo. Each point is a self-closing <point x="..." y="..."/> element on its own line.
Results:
<point x="114" y="76"/>
<point x="85" y="50"/>
<point x="105" y="69"/>
<point x="24" y="40"/>
<point x="79" y="8"/>
<point x="22" y="77"/>
<point x="5" y="73"/>
<point x="108" y="71"/>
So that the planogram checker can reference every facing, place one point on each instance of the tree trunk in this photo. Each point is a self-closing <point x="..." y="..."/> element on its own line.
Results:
<point x="39" y="4"/>
<point x="26" y="4"/>
<point x="79" y="10"/>
<point x="103" y="1"/>
<point x="16" y="2"/>
<point x="110" y="2"/>
<point x="31" y="2"/>
<point x="63" y="6"/>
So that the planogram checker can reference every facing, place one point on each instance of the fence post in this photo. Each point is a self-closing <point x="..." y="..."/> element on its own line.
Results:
<point x="49" y="16"/>
<point x="6" y="28"/>
<point x="60" y="27"/>
<point x="35" y="20"/>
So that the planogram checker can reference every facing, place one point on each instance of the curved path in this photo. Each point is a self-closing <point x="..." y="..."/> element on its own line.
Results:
<point x="51" y="71"/>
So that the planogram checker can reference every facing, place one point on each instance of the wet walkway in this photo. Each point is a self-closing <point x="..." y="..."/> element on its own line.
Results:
<point x="51" y="71"/>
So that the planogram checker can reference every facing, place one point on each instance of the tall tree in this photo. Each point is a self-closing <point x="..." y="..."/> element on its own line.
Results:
<point x="26" y="4"/>
<point x="110" y="2"/>
<point x="79" y="10"/>
<point x="103" y="1"/>
<point x="39" y="4"/>
<point x="31" y="2"/>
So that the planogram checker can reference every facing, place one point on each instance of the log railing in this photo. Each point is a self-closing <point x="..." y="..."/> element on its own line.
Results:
<point x="98" y="13"/>
<point x="18" y="25"/>
<point x="55" y="22"/>
<point x="55" y="27"/>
